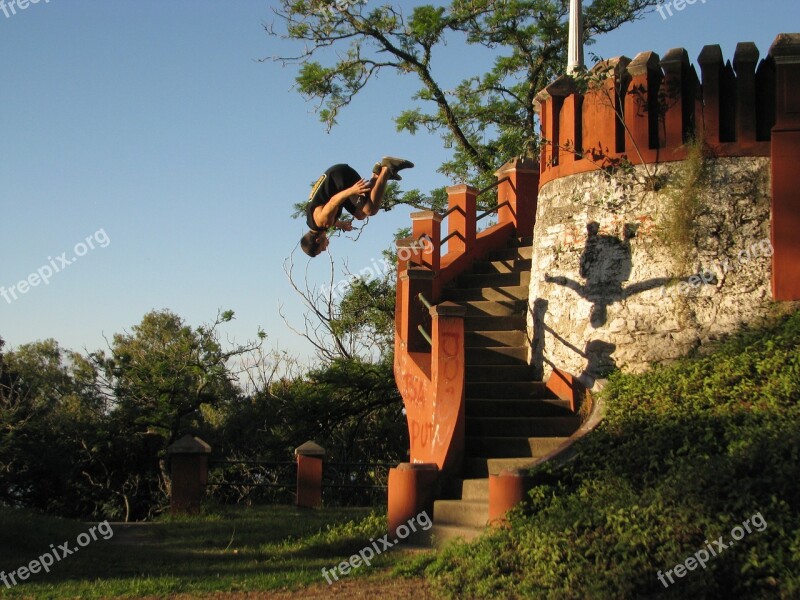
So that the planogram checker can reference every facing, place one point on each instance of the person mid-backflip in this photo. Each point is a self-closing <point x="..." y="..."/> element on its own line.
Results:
<point x="342" y="187"/>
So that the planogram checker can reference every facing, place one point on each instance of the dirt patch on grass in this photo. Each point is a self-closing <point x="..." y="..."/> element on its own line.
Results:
<point x="372" y="587"/>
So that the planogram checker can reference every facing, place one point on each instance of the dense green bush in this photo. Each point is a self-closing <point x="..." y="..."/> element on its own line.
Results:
<point x="685" y="454"/>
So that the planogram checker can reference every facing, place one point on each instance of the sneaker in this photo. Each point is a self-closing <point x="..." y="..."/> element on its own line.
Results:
<point x="393" y="176"/>
<point x="396" y="164"/>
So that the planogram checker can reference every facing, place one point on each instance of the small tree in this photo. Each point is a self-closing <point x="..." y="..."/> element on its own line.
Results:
<point x="162" y="373"/>
<point x="489" y="117"/>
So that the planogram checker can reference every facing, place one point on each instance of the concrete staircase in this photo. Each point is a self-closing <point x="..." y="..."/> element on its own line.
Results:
<point x="511" y="418"/>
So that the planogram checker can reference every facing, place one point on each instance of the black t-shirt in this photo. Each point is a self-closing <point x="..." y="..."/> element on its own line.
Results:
<point x="333" y="181"/>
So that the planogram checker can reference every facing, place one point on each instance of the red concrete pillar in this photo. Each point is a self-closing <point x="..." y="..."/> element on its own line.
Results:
<point x="542" y="105"/>
<point x="678" y="116"/>
<point x="309" y="474"/>
<point x="411" y="491"/>
<point x="188" y="473"/>
<point x="506" y="490"/>
<point x="426" y="231"/>
<point x="521" y="192"/>
<point x="745" y="60"/>
<point x="568" y="388"/>
<point x="711" y="61"/>
<point x="786" y="170"/>
<point x="642" y="108"/>
<point x="562" y="120"/>
<point x="462" y="201"/>
<point x="602" y="109"/>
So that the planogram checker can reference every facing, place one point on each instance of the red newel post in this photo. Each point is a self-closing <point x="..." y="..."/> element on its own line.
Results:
<point x="521" y="192"/>
<point x="461" y="221"/>
<point x="426" y="227"/>
<point x="411" y="491"/>
<point x="506" y="490"/>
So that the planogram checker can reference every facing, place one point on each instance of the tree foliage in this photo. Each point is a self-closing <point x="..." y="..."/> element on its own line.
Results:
<point x="488" y="117"/>
<point x="164" y="371"/>
<point x="85" y="436"/>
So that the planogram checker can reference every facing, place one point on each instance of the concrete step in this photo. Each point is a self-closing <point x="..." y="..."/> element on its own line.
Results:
<point x="481" y="339"/>
<point x="439" y="535"/>
<point x="475" y="489"/>
<point x="495" y="308"/>
<point x="516" y="322"/>
<point x="512" y="292"/>
<point x="496" y="355"/>
<point x="502" y="266"/>
<point x="505" y="389"/>
<point x="477" y="373"/>
<point x="482" y="280"/>
<point x="522" y="426"/>
<point x="519" y="253"/>
<point x="483" y="467"/>
<point x="511" y="447"/>
<point x="517" y="407"/>
<point x="519" y="242"/>
<point x="470" y="513"/>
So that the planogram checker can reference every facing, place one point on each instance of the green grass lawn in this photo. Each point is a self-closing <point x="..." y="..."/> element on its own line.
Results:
<point x="227" y="549"/>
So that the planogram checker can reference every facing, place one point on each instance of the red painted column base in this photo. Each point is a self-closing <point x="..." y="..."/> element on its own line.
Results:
<point x="411" y="491"/>
<point x="506" y="490"/>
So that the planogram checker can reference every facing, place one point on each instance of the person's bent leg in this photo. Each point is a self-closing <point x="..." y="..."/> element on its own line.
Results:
<point x="372" y="205"/>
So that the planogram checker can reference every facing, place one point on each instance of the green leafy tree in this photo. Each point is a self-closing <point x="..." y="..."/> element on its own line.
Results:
<point x="51" y="418"/>
<point x="164" y="371"/>
<point x="487" y="118"/>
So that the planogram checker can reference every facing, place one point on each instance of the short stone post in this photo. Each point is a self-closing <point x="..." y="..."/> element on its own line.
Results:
<point x="506" y="490"/>
<point x="411" y="491"/>
<point x="309" y="474"/>
<point x="189" y="473"/>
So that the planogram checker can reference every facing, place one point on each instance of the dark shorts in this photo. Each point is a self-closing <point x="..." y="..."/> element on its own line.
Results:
<point x="334" y="180"/>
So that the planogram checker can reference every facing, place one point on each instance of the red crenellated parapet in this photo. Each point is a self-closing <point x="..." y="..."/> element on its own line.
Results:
<point x="645" y="110"/>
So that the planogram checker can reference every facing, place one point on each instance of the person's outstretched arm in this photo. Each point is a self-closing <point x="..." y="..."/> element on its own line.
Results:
<point x="325" y="215"/>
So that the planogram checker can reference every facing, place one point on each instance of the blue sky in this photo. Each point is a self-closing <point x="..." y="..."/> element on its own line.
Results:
<point x="153" y="127"/>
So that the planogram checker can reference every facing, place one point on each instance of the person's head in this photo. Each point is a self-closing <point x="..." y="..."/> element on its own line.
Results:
<point x="314" y="243"/>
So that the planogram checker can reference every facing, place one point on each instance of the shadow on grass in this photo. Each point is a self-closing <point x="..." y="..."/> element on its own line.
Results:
<point x="234" y="549"/>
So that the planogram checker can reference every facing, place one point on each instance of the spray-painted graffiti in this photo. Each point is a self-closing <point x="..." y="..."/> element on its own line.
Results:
<point x="432" y="404"/>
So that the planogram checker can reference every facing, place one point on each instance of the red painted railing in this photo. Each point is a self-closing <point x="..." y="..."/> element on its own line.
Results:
<point x="429" y="367"/>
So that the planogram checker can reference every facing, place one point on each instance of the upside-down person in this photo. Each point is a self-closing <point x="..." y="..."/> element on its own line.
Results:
<point x="339" y="188"/>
